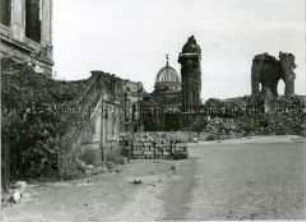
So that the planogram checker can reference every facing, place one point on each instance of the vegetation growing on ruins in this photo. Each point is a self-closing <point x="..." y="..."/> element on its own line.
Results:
<point x="34" y="120"/>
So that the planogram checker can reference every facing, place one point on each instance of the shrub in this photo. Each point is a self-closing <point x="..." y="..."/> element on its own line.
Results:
<point x="211" y="137"/>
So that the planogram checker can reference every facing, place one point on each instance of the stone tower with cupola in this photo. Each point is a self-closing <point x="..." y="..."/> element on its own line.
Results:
<point x="190" y="60"/>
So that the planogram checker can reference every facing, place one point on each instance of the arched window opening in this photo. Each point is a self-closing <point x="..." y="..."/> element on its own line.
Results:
<point x="281" y="87"/>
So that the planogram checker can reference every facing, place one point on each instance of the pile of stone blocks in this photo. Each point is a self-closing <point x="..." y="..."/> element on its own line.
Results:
<point x="152" y="146"/>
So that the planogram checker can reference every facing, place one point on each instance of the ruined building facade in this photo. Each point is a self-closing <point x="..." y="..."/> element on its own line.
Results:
<point x="266" y="73"/>
<point x="26" y="33"/>
<point x="115" y="110"/>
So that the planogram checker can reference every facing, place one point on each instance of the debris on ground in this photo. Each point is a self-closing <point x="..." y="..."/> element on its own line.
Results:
<point x="15" y="197"/>
<point x="118" y="170"/>
<point x="173" y="168"/>
<point x="137" y="181"/>
<point x="110" y="166"/>
<point x="100" y="170"/>
<point x="15" y="193"/>
<point x="124" y="160"/>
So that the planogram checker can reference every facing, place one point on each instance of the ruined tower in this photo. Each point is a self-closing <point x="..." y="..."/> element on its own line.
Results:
<point x="190" y="60"/>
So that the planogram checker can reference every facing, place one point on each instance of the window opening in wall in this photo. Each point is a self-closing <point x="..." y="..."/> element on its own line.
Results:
<point x="5" y="12"/>
<point x="33" y="19"/>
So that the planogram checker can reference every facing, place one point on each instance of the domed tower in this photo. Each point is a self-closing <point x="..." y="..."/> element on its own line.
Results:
<point x="167" y="79"/>
<point x="190" y="60"/>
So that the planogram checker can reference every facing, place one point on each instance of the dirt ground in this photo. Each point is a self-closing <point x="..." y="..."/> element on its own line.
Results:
<point x="253" y="178"/>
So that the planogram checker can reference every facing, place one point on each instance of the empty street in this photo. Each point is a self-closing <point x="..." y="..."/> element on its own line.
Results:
<point x="244" y="179"/>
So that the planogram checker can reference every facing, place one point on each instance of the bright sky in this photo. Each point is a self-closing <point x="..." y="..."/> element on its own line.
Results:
<point x="131" y="37"/>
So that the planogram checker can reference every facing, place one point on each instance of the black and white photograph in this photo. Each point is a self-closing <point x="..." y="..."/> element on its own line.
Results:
<point x="153" y="110"/>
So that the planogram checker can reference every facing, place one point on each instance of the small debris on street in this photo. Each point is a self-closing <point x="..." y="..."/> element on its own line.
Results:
<point x="137" y="181"/>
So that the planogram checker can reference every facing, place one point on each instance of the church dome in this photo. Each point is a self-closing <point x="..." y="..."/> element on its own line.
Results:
<point x="167" y="78"/>
<point x="167" y="74"/>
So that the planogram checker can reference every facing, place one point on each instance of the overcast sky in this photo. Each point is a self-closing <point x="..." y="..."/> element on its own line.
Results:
<point x="131" y="37"/>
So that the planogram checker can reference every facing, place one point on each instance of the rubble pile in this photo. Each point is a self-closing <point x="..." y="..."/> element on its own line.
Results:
<point x="261" y="124"/>
<point x="243" y="116"/>
<point x="275" y="124"/>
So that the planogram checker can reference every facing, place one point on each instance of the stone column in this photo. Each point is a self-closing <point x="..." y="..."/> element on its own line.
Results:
<point x="46" y="22"/>
<point x="18" y="20"/>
